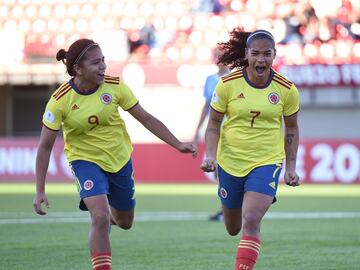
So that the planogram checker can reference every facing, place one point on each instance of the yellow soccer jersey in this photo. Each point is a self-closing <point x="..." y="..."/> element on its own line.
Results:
<point x="252" y="133"/>
<point x="93" y="129"/>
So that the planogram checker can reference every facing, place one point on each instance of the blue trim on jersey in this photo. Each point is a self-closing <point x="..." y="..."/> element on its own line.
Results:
<point x="92" y="181"/>
<point x="255" y="86"/>
<point x="231" y="189"/>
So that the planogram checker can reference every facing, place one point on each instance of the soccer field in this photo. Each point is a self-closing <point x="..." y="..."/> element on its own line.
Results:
<point x="310" y="227"/>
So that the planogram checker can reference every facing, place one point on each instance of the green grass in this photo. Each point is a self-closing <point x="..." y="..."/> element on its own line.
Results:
<point x="302" y="243"/>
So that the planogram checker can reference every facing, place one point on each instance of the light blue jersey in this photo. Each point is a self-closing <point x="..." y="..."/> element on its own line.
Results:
<point x="210" y="84"/>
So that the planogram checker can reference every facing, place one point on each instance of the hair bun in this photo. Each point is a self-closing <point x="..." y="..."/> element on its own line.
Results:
<point x="61" y="55"/>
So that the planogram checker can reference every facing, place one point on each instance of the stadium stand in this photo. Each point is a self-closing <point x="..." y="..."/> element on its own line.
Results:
<point x="169" y="44"/>
<point x="184" y="30"/>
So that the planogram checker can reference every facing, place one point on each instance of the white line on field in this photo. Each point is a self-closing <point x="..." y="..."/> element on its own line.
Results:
<point x="80" y="217"/>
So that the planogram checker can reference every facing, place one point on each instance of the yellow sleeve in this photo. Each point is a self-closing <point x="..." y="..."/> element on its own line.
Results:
<point x="127" y="97"/>
<point x="292" y="101"/>
<point x="53" y="116"/>
<point x="219" y="99"/>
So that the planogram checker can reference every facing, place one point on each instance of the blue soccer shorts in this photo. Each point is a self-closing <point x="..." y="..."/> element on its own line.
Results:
<point x="231" y="189"/>
<point x="92" y="181"/>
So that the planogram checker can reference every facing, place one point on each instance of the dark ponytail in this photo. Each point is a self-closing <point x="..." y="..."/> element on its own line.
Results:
<point x="61" y="55"/>
<point x="75" y="50"/>
<point x="233" y="51"/>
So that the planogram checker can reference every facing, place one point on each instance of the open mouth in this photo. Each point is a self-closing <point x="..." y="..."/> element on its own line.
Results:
<point x="260" y="70"/>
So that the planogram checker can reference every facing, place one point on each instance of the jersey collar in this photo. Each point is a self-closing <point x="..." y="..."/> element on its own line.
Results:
<point x="255" y="86"/>
<point x="91" y="91"/>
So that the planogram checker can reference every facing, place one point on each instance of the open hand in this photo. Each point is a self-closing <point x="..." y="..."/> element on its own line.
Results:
<point x="39" y="199"/>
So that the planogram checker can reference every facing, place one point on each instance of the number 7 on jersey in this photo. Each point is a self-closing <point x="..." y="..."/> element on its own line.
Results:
<point x="254" y="115"/>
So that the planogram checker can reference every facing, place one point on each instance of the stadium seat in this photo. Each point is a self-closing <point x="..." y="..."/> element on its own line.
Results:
<point x="174" y="20"/>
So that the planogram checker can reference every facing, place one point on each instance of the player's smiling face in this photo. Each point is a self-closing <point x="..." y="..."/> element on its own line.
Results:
<point x="92" y="68"/>
<point x="260" y="55"/>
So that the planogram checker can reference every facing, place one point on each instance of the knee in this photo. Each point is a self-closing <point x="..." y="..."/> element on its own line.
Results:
<point x="124" y="224"/>
<point x="100" y="219"/>
<point x="233" y="230"/>
<point x="251" y="222"/>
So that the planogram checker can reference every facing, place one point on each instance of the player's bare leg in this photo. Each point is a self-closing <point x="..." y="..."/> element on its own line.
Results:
<point x="99" y="242"/>
<point x="232" y="220"/>
<point x="254" y="208"/>
<point x="123" y="219"/>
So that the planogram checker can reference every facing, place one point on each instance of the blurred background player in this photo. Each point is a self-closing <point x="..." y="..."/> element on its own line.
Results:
<point x="97" y="144"/>
<point x="249" y="151"/>
<point x="210" y="84"/>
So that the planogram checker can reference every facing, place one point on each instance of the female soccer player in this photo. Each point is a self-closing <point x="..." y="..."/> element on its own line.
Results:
<point x="97" y="144"/>
<point x="248" y="148"/>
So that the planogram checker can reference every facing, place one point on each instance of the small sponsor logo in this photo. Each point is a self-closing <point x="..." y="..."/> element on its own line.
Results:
<point x="274" y="98"/>
<point x="75" y="107"/>
<point x="223" y="193"/>
<point x="106" y="98"/>
<point x="272" y="184"/>
<point x="49" y="117"/>
<point x="88" y="184"/>
<point x="241" y="95"/>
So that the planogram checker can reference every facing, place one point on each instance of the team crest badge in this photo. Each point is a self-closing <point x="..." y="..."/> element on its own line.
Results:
<point x="223" y="193"/>
<point x="106" y="98"/>
<point x="88" y="184"/>
<point x="274" y="98"/>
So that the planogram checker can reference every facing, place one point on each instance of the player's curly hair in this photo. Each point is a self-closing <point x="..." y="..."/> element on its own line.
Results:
<point x="233" y="51"/>
<point x="73" y="55"/>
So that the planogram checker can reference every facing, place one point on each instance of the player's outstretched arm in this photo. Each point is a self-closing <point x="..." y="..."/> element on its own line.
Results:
<point x="204" y="112"/>
<point x="291" y="146"/>
<point x="156" y="127"/>
<point x="211" y="140"/>
<point x="47" y="140"/>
